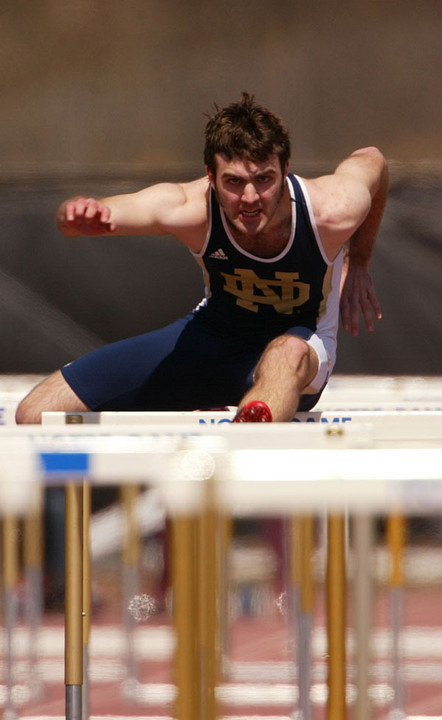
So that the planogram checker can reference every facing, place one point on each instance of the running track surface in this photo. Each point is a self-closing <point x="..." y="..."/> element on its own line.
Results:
<point x="260" y="670"/>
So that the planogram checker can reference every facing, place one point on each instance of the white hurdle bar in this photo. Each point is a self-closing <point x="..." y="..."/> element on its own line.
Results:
<point x="395" y="463"/>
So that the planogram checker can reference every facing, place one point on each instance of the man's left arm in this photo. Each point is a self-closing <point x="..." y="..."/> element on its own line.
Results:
<point x="357" y="289"/>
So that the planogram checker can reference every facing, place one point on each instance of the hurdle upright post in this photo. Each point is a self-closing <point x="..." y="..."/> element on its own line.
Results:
<point x="208" y="592"/>
<point x="364" y="600"/>
<point x="302" y="586"/>
<point x="10" y="580"/>
<point x="87" y="596"/>
<point x="131" y="554"/>
<point x="396" y="536"/>
<point x="336" y="617"/>
<point x="185" y="615"/>
<point x="74" y="601"/>
<point x="33" y="555"/>
<point x="77" y="419"/>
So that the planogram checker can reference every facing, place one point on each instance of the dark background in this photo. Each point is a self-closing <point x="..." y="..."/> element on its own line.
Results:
<point x="104" y="96"/>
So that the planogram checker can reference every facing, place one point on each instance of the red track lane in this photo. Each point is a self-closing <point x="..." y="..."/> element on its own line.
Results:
<point x="266" y="639"/>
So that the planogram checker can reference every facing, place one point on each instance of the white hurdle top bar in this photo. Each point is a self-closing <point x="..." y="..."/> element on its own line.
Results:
<point x="343" y="392"/>
<point x="380" y="462"/>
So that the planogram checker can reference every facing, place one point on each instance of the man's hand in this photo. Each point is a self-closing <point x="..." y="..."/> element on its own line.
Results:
<point x="84" y="216"/>
<point x="357" y="294"/>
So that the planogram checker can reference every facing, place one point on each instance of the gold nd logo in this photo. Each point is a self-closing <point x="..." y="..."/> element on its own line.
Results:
<point x="285" y="292"/>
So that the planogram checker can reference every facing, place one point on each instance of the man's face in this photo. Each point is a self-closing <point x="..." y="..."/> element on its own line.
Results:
<point x="248" y="191"/>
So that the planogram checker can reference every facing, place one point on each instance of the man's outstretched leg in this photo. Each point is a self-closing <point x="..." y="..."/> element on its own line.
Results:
<point x="287" y="366"/>
<point x="52" y="395"/>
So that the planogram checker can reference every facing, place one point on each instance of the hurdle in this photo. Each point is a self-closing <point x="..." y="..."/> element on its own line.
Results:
<point x="302" y="603"/>
<point x="279" y="442"/>
<point x="337" y="600"/>
<point x="396" y="395"/>
<point x="384" y="420"/>
<point x="325" y="418"/>
<point x="396" y="541"/>
<point x="33" y="577"/>
<point x="10" y="578"/>
<point x="404" y="407"/>
<point x="19" y="504"/>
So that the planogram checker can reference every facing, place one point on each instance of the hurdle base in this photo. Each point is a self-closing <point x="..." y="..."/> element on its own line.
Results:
<point x="74" y="702"/>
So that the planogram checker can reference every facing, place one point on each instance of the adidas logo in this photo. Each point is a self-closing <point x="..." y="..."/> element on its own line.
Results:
<point x="219" y="255"/>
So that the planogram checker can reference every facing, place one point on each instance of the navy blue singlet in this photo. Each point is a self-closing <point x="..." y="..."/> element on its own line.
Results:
<point x="247" y="294"/>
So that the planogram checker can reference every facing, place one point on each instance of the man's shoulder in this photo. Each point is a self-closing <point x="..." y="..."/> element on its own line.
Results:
<point x="189" y="219"/>
<point x="197" y="194"/>
<point x="196" y="190"/>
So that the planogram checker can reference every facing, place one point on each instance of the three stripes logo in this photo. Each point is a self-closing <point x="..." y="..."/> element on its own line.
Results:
<point x="219" y="255"/>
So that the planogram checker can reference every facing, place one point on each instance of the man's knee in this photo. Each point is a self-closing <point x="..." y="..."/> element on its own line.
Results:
<point x="53" y="394"/>
<point x="291" y="349"/>
<point x="290" y="357"/>
<point x="26" y="413"/>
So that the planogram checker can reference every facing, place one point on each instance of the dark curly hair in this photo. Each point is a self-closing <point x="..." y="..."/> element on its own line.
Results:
<point x="246" y="130"/>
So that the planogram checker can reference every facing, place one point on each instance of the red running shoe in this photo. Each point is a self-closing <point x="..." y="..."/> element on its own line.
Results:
<point x="255" y="411"/>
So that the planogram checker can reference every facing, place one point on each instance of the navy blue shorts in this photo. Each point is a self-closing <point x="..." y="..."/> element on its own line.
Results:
<point x="183" y="366"/>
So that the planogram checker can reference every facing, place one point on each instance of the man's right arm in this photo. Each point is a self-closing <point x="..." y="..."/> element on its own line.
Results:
<point x="84" y="216"/>
<point x="178" y="209"/>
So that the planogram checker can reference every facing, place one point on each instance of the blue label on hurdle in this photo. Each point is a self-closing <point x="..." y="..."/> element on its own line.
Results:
<point x="65" y="463"/>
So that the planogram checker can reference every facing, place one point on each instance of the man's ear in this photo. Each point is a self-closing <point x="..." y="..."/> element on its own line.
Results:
<point x="211" y="177"/>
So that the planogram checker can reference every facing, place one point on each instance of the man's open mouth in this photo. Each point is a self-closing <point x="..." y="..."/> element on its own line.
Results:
<point x="251" y="213"/>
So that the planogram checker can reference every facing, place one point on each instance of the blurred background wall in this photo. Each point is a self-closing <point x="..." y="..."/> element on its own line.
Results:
<point x="104" y="96"/>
